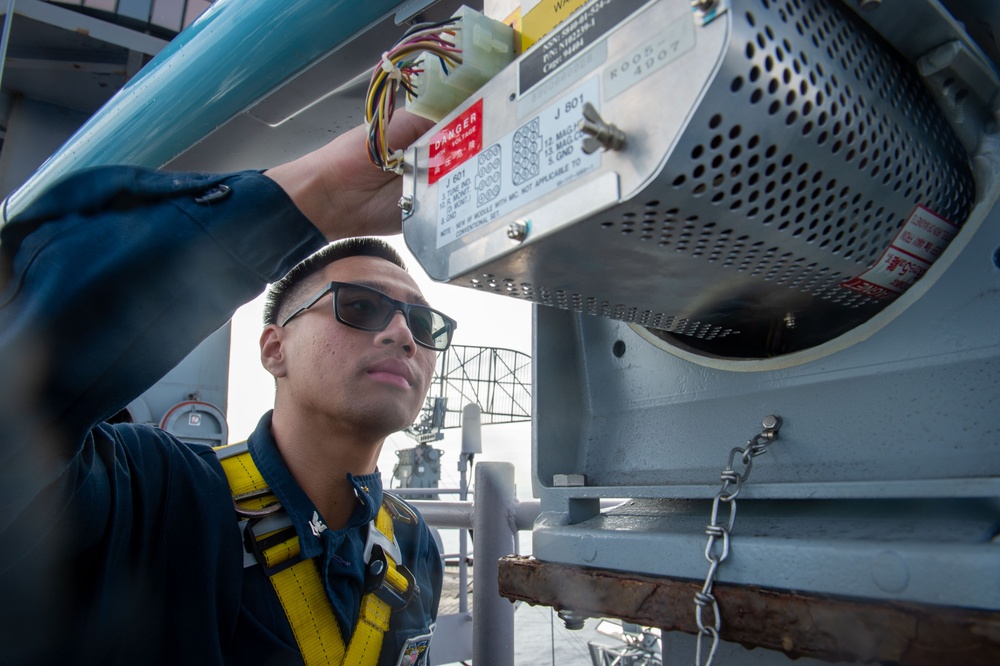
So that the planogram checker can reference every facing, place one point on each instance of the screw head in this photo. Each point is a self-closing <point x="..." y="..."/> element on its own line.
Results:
<point x="406" y="203"/>
<point x="517" y="230"/>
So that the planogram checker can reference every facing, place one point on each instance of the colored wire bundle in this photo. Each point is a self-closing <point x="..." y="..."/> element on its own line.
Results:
<point x="396" y="69"/>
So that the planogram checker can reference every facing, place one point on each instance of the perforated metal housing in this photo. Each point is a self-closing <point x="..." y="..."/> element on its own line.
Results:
<point x="772" y="155"/>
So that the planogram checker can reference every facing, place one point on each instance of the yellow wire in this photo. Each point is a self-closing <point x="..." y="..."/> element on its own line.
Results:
<point x="378" y="109"/>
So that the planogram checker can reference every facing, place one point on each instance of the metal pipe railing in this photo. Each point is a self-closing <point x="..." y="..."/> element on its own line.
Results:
<point x="493" y="616"/>
<point x="459" y="515"/>
<point x="409" y="492"/>
<point x="495" y="516"/>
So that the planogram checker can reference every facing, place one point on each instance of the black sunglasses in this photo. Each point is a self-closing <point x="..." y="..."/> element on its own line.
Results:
<point x="371" y="310"/>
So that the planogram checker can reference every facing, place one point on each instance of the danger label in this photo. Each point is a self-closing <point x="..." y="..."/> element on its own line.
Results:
<point x="534" y="159"/>
<point x="459" y="141"/>
<point x="917" y="245"/>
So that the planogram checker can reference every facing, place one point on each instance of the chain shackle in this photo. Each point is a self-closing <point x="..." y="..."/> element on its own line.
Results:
<point x="732" y="483"/>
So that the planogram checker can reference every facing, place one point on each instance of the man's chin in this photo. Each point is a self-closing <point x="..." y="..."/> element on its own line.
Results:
<point x="388" y="421"/>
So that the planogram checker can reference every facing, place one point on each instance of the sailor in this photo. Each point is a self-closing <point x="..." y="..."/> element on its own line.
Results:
<point x="121" y="544"/>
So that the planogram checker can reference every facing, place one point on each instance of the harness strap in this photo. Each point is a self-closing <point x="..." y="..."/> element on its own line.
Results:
<point x="373" y="620"/>
<point x="300" y="590"/>
<point x="297" y="582"/>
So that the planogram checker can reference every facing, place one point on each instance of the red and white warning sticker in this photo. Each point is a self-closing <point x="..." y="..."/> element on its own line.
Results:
<point x="458" y="142"/>
<point x="918" y="244"/>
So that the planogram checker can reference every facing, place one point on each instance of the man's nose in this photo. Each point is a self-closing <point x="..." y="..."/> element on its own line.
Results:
<point x="397" y="332"/>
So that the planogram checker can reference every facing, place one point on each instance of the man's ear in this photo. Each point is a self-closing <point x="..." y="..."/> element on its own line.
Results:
<point x="272" y="355"/>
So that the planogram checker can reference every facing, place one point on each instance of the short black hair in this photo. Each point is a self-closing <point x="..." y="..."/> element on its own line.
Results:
<point x="291" y="288"/>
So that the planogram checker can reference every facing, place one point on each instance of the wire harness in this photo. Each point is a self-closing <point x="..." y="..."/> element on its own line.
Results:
<point x="396" y="69"/>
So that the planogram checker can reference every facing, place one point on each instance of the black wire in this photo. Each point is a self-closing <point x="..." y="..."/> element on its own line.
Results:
<point x="426" y="26"/>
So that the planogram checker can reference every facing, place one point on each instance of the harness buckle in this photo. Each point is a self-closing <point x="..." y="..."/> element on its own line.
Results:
<point x="257" y="546"/>
<point x="378" y="582"/>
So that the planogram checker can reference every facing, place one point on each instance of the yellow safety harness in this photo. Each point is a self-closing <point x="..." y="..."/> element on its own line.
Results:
<point x="270" y="541"/>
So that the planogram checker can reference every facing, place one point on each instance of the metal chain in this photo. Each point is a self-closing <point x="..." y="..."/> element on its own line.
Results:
<point x="717" y="549"/>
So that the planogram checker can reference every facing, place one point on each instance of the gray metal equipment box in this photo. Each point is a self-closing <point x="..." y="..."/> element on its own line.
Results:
<point x="790" y="226"/>
<point x="770" y="158"/>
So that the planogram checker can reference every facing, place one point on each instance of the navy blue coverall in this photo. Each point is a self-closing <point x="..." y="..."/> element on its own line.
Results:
<point x="118" y="543"/>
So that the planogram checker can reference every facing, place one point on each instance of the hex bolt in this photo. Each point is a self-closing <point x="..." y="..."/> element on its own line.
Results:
<point x="406" y="203"/>
<point x="574" y="621"/>
<point x="772" y="422"/>
<point x="569" y="480"/>
<point x="517" y="230"/>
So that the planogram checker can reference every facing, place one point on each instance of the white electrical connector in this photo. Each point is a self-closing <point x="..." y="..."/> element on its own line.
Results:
<point x="487" y="46"/>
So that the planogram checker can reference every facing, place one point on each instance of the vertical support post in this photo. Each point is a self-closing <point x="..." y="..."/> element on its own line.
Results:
<point x="463" y="540"/>
<point x="472" y="443"/>
<point x="492" y="615"/>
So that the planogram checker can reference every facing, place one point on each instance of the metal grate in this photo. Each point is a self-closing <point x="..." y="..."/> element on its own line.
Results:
<point x="590" y="305"/>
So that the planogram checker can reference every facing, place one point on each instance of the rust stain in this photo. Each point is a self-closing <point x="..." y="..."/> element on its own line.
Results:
<point x="800" y="625"/>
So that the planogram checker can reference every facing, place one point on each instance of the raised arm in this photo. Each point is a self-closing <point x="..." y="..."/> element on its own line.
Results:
<point x="114" y="275"/>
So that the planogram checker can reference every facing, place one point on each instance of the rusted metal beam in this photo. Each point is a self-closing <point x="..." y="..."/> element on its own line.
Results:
<point x="801" y="625"/>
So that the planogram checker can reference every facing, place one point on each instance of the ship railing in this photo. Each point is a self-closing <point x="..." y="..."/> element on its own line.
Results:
<point x="495" y="516"/>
